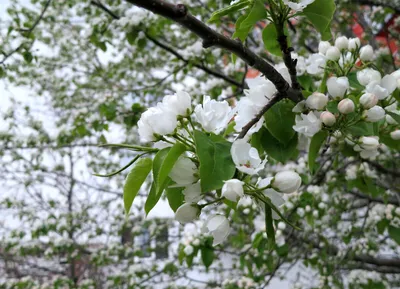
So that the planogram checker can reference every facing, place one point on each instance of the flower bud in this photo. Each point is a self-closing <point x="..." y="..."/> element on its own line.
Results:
<point x="188" y="250"/>
<point x="374" y="114"/>
<point x="286" y="182"/>
<point x="337" y="87"/>
<point x="196" y="242"/>
<point x="369" y="143"/>
<point x="395" y="134"/>
<point x="317" y="100"/>
<point x="346" y="106"/>
<point x="218" y="227"/>
<point x="233" y="190"/>
<point x="333" y="53"/>
<point x="327" y="118"/>
<point x="368" y="100"/>
<point x="366" y="53"/>
<point x="323" y="47"/>
<point x="187" y="213"/>
<point x="354" y="43"/>
<point x="342" y="43"/>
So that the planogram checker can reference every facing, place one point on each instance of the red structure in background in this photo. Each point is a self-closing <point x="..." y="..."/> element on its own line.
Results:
<point x="383" y="37"/>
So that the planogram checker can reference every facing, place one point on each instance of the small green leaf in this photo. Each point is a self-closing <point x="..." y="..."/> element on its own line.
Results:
<point x="27" y="56"/>
<point x="316" y="143"/>
<point x="394" y="233"/>
<point x="246" y="22"/>
<point x="275" y="149"/>
<point x="175" y="197"/>
<point x="320" y="14"/>
<point x="229" y="10"/>
<point x="269" y="224"/>
<point x="134" y="181"/>
<point x="362" y="128"/>
<point x="216" y="164"/>
<point x="163" y="163"/>
<point x="270" y="39"/>
<point x="395" y="116"/>
<point x="207" y="256"/>
<point x="280" y="120"/>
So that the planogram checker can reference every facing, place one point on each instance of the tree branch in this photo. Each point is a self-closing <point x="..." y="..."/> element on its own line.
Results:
<point x="248" y="126"/>
<point x="172" y="51"/>
<point x="179" y="14"/>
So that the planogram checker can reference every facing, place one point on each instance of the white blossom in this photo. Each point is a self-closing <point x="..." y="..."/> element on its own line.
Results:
<point x="327" y="118"/>
<point x="374" y="114"/>
<point x="184" y="172"/>
<point x="213" y="115"/>
<point x="218" y="227"/>
<point x="233" y="190"/>
<point x="317" y="101"/>
<point x="246" y="158"/>
<point x="337" y="86"/>
<point x="286" y="182"/>
<point x="346" y="106"/>
<point x="308" y="124"/>
<point x="187" y="213"/>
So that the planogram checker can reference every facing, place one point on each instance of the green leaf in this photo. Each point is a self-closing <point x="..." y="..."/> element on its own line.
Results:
<point x="362" y="128"/>
<point x="215" y="159"/>
<point x="306" y="82"/>
<point x="394" y="233"/>
<point x="163" y="163"/>
<point x="27" y="56"/>
<point x="275" y="149"/>
<point x="207" y="256"/>
<point x="316" y="143"/>
<point x="134" y="181"/>
<point x="175" y="197"/>
<point x="151" y="200"/>
<point x="320" y="14"/>
<point x="269" y="224"/>
<point x="353" y="81"/>
<point x="270" y="36"/>
<point x="246" y="22"/>
<point x="387" y="140"/>
<point x="333" y="106"/>
<point x="228" y="10"/>
<point x="395" y="116"/>
<point x="280" y="120"/>
<point x="270" y="39"/>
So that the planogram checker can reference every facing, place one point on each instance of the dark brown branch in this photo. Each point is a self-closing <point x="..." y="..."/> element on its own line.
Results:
<point x="256" y="119"/>
<point x="172" y="51"/>
<point x="179" y="14"/>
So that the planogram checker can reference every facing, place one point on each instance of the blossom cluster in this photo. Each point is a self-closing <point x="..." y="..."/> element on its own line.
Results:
<point x="175" y="121"/>
<point x="343" y="103"/>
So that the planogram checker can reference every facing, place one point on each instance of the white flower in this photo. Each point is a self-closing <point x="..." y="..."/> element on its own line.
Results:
<point x="346" y="106"/>
<point x="233" y="190"/>
<point x="354" y="43"/>
<point x="308" y="124"/>
<point x="323" y="47"/>
<point x="286" y="182"/>
<point x="274" y="196"/>
<point x="300" y="212"/>
<point x="368" y="100"/>
<point x="316" y="64"/>
<point x="395" y="134"/>
<point x="382" y="88"/>
<point x="369" y="143"/>
<point x="374" y="114"/>
<point x="184" y="172"/>
<point x="246" y="111"/>
<point x="396" y="75"/>
<point x="246" y="158"/>
<point x="300" y="107"/>
<point x="213" y="115"/>
<point x="366" y="53"/>
<point x="192" y="193"/>
<point x="218" y="227"/>
<point x="196" y="242"/>
<point x="299" y="6"/>
<point x="188" y="250"/>
<point x="342" y="43"/>
<point x="284" y="71"/>
<point x="333" y="53"/>
<point x="187" y="213"/>
<point x="260" y="91"/>
<point x="337" y="87"/>
<point x="368" y="75"/>
<point x="317" y="101"/>
<point x="179" y="103"/>
<point x="150" y="124"/>
<point x="327" y="118"/>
